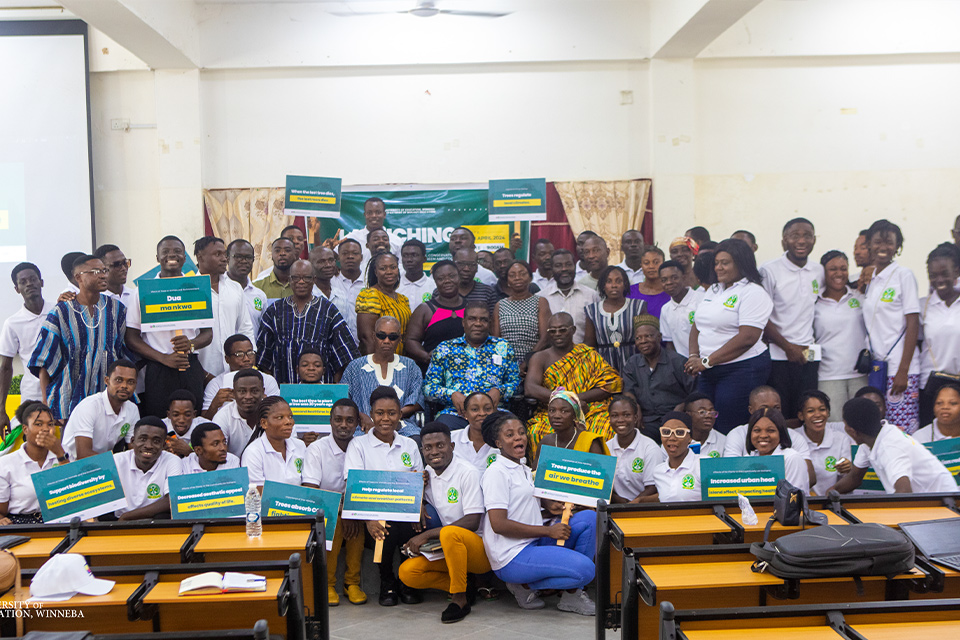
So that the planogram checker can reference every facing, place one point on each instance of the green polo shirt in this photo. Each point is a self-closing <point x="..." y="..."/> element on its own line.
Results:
<point x="273" y="287"/>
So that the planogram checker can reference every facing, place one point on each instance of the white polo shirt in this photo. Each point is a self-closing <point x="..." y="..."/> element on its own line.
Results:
<point x="839" y="329"/>
<point x="158" y="340"/>
<point x="635" y="275"/>
<point x="94" y="418"/>
<point x="338" y="298"/>
<point x="142" y="489"/>
<point x="681" y="484"/>
<point x="824" y="456"/>
<point x="713" y="446"/>
<point x="191" y="464"/>
<point x="372" y="454"/>
<point x="270" y="386"/>
<point x="463" y="448"/>
<point x="16" y="487"/>
<point x="794" y="291"/>
<point x="542" y="282"/>
<point x="193" y="425"/>
<point x="347" y="290"/>
<point x="256" y="304"/>
<point x="127" y="295"/>
<point x="455" y="493"/>
<point x="930" y="433"/>
<point x="722" y="312"/>
<point x="896" y="454"/>
<point x="263" y="462"/>
<point x="488" y="277"/>
<point x="417" y="292"/>
<point x="676" y="320"/>
<point x="234" y="428"/>
<point x="794" y="467"/>
<point x="323" y="465"/>
<point x="508" y="485"/>
<point x="574" y="303"/>
<point x="635" y="465"/>
<point x="19" y="338"/>
<point x="891" y="295"/>
<point x="230" y="316"/>
<point x="940" y="332"/>
<point x="736" y="444"/>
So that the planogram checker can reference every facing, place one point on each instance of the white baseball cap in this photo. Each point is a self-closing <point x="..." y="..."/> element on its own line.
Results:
<point x="64" y="576"/>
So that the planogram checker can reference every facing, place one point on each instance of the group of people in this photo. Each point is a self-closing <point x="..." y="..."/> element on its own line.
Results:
<point x="656" y="361"/>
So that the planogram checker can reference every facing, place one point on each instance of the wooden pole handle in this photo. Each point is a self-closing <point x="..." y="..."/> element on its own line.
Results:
<point x="179" y="332"/>
<point x="378" y="547"/>
<point x="565" y="519"/>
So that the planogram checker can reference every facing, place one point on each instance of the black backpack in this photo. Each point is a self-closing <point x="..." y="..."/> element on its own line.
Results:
<point x="834" y="551"/>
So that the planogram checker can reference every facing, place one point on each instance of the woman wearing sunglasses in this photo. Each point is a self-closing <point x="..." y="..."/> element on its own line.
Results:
<point x="384" y="368"/>
<point x="678" y="479"/>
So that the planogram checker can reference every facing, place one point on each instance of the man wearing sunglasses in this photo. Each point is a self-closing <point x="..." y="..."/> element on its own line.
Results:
<point x="117" y="266"/>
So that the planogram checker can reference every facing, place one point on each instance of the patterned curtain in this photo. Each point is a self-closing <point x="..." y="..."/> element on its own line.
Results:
<point x="255" y="215"/>
<point x="607" y="208"/>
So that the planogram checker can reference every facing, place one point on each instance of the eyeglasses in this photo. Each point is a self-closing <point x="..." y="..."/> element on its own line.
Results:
<point x="559" y="331"/>
<point x="301" y="278"/>
<point x="248" y="257"/>
<point x="119" y="264"/>
<point x="703" y="413"/>
<point x="96" y="272"/>
<point x="239" y="354"/>
<point x="392" y="337"/>
<point x="680" y="432"/>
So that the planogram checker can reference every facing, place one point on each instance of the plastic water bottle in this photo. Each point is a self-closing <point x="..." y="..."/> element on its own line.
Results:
<point x="252" y="503"/>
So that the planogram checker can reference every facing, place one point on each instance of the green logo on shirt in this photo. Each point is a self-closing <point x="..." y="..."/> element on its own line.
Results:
<point x="125" y="429"/>
<point x="426" y="297"/>
<point x="452" y="495"/>
<point x="491" y="458"/>
<point x="153" y="491"/>
<point x="688" y="481"/>
<point x="405" y="459"/>
<point x="731" y="302"/>
<point x="888" y="295"/>
<point x="690" y="316"/>
<point x="637" y="465"/>
<point x="854" y="303"/>
<point x="714" y="454"/>
<point x="816" y="287"/>
<point x="298" y="463"/>
<point x="830" y="464"/>
<point x="258" y="304"/>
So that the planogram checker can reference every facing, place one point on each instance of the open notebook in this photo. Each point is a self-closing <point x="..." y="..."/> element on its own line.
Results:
<point x="229" y="582"/>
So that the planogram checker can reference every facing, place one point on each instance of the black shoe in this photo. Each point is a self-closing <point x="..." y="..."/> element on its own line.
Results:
<point x="388" y="596"/>
<point x="410" y="596"/>
<point x="454" y="613"/>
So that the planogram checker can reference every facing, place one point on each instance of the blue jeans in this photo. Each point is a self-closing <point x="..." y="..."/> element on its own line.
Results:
<point x="544" y="565"/>
<point x="729" y="387"/>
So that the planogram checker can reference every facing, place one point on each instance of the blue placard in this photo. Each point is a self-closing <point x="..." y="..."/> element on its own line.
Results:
<point x="281" y="499"/>
<point x="212" y="494"/>
<point x="383" y="495"/>
<point x="86" y="488"/>
<point x="751" y="476"/>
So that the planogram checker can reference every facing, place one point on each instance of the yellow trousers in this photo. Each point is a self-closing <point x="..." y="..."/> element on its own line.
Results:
<point x="354" y="558"/>
<point x="462" y="554"/>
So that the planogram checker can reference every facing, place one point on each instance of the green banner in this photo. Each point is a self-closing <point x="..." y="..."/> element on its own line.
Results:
<point x="281" y="499"/>
<point x="948" y="452"/>
<point x="176" y="303"/>
<point x="311" y="403"/>
<point x="310" y="196"/>
<point x="751" y="476"/>
<point x="383" y="495"/>
<point x="871" y="481"/>
<point x="524" y="199"/>
<point x="427" y="214"/>
<point x="579" y="477"/>
<point x="86" y="488"/>
<point x="212" y="494"/>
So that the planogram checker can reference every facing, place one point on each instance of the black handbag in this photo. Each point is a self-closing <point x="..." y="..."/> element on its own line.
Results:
<point x="864" y="362"/>
<point x="791" y="509"/>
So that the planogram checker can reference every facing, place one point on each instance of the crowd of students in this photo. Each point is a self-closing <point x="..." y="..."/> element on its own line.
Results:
<point x="656" y="362"/>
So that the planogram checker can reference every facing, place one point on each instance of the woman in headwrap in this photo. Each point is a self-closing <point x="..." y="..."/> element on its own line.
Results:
<point x="684" y="250"/>
<point x="569" y="426"/>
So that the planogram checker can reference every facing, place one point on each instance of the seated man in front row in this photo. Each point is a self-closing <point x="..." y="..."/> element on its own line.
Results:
<point x="144" y="470"/>
<point x="575" y="367"/>
<point x="473" y="362"/>
<point x="104" y="419"/>
<point x="902" y="464"/>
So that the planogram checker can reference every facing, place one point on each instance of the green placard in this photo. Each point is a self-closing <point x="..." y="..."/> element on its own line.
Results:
<point x="579" y="477"/>
<point x="871" y="481"/>
<point x="176" y="303"/>
<point x="312" y="196"/>
<point x="281" y="499"/>
<point x="311" y="403"/>
<point x="383" y="495"/>
<point x="212" y="494"/>
<point x="86" y="488"/>
<point x="948" y="452"/>
<point x="514" y="200"/>
<point x="751" y="476"/>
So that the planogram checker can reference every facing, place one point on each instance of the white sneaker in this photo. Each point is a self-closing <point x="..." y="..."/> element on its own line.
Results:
<point x="577" y="602"/>
<point x="526" y="598"/>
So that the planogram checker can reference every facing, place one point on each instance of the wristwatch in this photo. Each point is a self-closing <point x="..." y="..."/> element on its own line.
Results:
<point x="705" y="361"/>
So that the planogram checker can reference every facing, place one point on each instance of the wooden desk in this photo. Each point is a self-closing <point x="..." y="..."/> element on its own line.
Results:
<point x="766" y="633"/>
<point x="103" y="549"/>
<point x="892" y="516"/>
<point x="35" y="552"/>
<point x="169" y="593"/>
<point x="101" y="614"/>
<point x="217" y="611"/>
<point x="902" y="630"/>
<point x="754" y="532"/>
<point x="237" y="542"/>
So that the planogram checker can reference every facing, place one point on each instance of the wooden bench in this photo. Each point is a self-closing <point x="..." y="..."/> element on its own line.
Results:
<point x="145" y="599"/>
